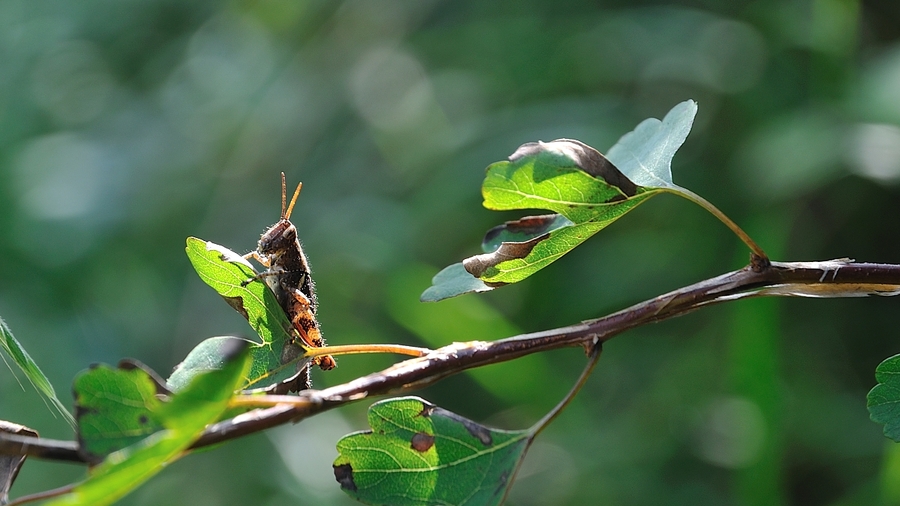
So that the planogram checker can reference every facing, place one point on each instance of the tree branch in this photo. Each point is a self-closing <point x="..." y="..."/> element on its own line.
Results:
<point x="833" y="278"/>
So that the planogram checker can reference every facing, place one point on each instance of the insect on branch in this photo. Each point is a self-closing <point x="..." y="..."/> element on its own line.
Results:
<point x="779" y="278"/>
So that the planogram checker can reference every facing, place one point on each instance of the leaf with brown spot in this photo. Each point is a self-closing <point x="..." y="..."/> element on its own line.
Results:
<point x="522" y="230"/>
<point x="344" y="475"/>
<point x="587" y="190"/>
<point x="115" y="408"/>
<point x="280" y="354"/>
<point x="478" y="264"/>
<point x="422" y="442"/>
<point x="420" y="454"/>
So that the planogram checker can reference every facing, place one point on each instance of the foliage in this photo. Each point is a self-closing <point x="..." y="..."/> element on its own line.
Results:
<point x="884" y="398"/>
<point x="124" y="133"/>
<point x="183" y="418"/>
<point x="418" y="453"/>
<point x="588" y="190"/>
<point x="277" y="357"/>
<point x="26" y="364"/>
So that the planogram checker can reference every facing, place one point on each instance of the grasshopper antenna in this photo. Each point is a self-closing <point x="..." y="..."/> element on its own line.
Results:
<point x="282" y="195"/>
<point x="287" y="215"/>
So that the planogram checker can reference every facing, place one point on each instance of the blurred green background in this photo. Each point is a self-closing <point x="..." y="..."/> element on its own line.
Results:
<point x="128" y="125"/>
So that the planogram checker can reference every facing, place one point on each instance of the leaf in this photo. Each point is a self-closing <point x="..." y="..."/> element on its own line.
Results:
<point x="453" y="280"/>
<point x="10" y="464"/>
<point x="522" y="230"/>
<point x="266" y="366"/>
<point x="552" y="175"/>
<point x="588" y="190"/>
<point x="115" y="408"/>
<point x="514" y="262"/>
<point x="184" y="418"/>
<point x="11" y="346"/>
<point x="884" y="399"/>
<point x="547" y="175"/>
<point x="645" y="154"/>
<point x="420" y="454"/>
<point x="227" y="272"/>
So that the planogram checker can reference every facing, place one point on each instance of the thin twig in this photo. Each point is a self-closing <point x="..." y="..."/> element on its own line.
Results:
<point x="829" y="278"/>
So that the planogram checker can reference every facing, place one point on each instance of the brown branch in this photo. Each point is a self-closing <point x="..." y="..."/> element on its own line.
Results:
<point x="835" y="278"/>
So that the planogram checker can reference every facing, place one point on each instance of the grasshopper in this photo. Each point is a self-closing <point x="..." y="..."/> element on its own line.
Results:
<point x="288" y="275"/>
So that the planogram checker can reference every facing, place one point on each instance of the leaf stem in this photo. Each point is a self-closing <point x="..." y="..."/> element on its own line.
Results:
<point x="267" y="401"/>
<point x="354" y="349"/>
<point x="593" y="357"/>
<point x="760" y="257"/>
<point x="46" y="494"/>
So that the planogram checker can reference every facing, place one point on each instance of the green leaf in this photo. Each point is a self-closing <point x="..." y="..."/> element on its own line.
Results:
<point x="588" y="190"/>
<point x="11" y="346"/>
<point x="115" y="408"/>
<point x="515" y="261"/>
<point x="558" y="176"/>
<point x="522" y="230"/>
<point x="453" y="280"/>
<point x="184" y="418"/>
<point x="645" y="154"/>
<point x="420" y="454"/>
<point x="551" y="175"/>
<point x="884" y="399"/>
<point x="227" y="272"/>
<point x="266" y="366"/>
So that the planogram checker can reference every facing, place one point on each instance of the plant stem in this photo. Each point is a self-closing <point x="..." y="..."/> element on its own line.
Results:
<point x="40" y="496"/>
<point x="758" y="252"/>
<point x="354" y="349"/>
<point x="832" y="278"/>
<point x="267" y="401"/>
<point x="593" y="357"/>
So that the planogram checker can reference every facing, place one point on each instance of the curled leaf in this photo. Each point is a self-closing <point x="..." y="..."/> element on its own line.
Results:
<point x="586" y="189"/>
<point x="582" y="156"/>
<point x="523" y="229"/>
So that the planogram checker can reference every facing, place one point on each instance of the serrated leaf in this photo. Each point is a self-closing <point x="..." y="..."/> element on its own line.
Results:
<point x="233" y="277"/>
<point x="35" y="376"/>
<point x="884" y="399"/>
<point x="420" y="454"/>
<point x="645" y="154"/>
<point x="115" y="408"/>
<point x="10" y="464"/>
<point x="183" y="418"/>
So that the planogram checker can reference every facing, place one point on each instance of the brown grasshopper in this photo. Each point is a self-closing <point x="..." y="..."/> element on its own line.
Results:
<point x="287" y="274"/>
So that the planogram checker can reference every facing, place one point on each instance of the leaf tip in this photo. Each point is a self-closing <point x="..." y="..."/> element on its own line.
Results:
<point x="452" y="281"/>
